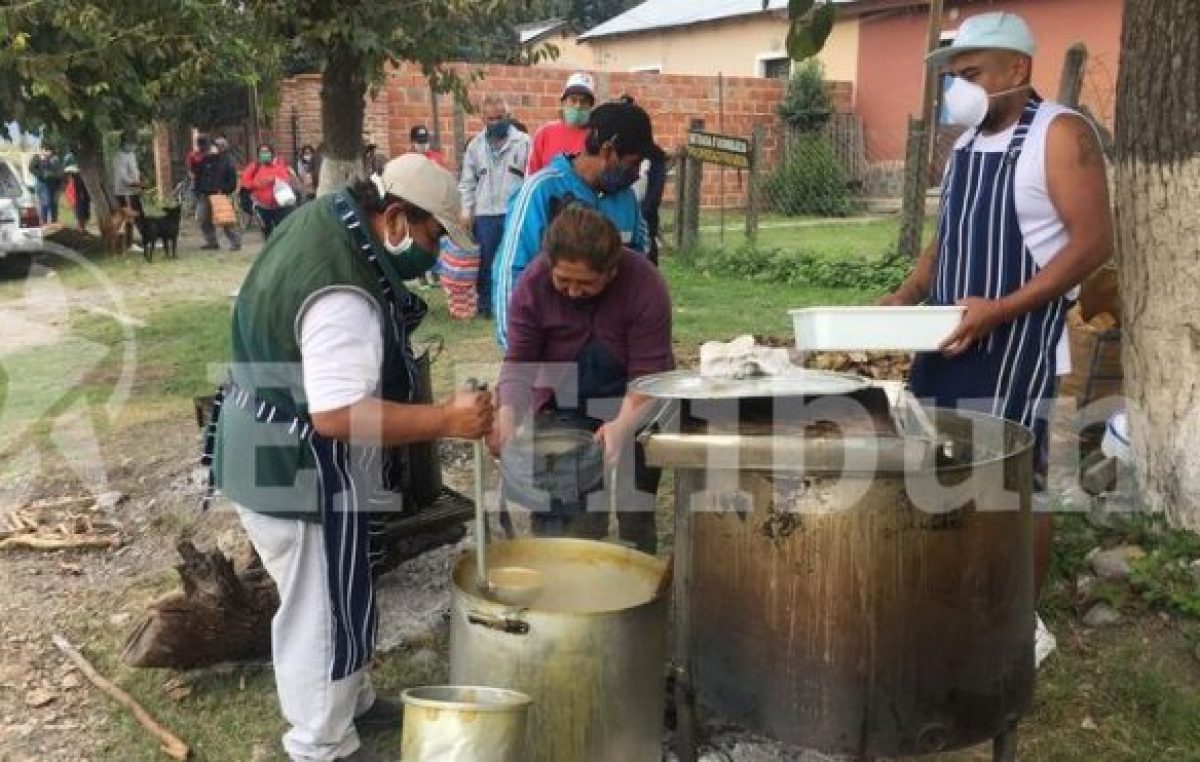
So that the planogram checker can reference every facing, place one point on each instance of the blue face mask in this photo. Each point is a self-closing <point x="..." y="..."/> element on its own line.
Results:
<point x="498" y="130"/>
<point x="618" y="178"/>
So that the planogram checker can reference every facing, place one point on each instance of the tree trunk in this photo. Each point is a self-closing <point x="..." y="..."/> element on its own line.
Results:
<point x="222" y="615"/>
<point x="92" y="169"/>
<point x="343" y="107"/>
<point x="1157" y="195"/>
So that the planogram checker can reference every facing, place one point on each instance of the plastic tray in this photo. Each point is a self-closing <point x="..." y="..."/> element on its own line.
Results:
<point x="882" y="329"/>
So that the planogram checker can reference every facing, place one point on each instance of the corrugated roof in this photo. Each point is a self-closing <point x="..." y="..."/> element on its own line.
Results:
<point x="662" y="14"/>
<point x="530" y="32"/>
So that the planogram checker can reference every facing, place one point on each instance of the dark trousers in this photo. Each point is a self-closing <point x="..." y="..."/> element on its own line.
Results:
<point x="47" y="194"/>
<point x="270" y="218"/>
<point x="488" y="231"/>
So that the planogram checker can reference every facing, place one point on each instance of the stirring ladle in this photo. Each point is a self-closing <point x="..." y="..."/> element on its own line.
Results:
<point x="481" y="576"/>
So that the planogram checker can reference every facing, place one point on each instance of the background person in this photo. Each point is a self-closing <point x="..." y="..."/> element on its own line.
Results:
<point x="127" y="184"/>
<point x="493" y="169"/>
<point x="567" y="135"/>
<point x="216" y="175"/>
<point x="47" y="170"/>
<point x="259" y="178"/>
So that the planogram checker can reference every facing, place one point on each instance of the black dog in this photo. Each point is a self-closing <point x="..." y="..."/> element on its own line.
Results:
<point x="164" y="228"/>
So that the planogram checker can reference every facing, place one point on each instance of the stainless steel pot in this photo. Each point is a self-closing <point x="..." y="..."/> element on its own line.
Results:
<point x="595" y="674"/>
<point x="882" y="612"/>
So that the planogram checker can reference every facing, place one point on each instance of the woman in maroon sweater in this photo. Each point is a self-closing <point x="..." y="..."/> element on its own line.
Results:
<point x="586" y="318"/>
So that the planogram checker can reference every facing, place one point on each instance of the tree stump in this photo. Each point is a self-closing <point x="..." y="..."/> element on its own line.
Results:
<point x="222" y="614"/>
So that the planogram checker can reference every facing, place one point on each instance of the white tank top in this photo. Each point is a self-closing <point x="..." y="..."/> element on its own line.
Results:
<point x="1043" y="229"/>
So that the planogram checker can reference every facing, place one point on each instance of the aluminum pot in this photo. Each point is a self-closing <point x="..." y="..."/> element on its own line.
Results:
<point x="595" y="674"/>
<point x="464" y="724"/>
<point x="887" y="612"/>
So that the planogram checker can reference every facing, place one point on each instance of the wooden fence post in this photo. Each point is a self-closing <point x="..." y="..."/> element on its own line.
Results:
<point x="1071" y="83"/>
<point x="752" y="185"/>
<point x="692" y="193"/>
<point x="681" y="167"/>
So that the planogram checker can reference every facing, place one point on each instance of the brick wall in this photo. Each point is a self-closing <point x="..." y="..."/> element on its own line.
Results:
<point x="672" y="101"/>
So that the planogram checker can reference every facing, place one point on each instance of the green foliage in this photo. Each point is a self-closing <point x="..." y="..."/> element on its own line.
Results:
<point x="77" y="66"/>
<point x="807" y="106"/>
<point x="799" y="268"/>
<point x="1165" y="577"/>
<point x="810" y="27"/>
<point x="810" y="181"/>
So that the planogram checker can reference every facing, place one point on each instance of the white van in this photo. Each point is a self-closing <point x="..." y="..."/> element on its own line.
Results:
<point x="20" y="231"/>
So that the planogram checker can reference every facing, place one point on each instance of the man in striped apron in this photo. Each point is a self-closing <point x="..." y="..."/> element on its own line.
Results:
<point x="1025" y="218"/>
<point x="321" y="385"/>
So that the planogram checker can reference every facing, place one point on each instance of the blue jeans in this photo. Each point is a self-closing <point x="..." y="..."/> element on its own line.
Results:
<point x="488" y="231"/>
<point x="47" y="194"/>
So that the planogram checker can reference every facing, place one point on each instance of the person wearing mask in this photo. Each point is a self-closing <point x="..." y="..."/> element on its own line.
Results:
<point x="307" y="171"/>
<point x="216" y="175"/>
<point x="649" y="190"/>
<point x="318" y="399"/>
<point x="127" y="185"/>
<point x="195" y="156"/>
<point x="1025" y="218"/>
<point x="47" y="170"/>
<point x="420" y="141"/>
<point x="566" y="135"/>
<point x="588" y="305"/>
<point x="260" y="178"/>
<point x="493" y="170"/>
<point x="618" y="137"/>
<point x="373" y="159"/>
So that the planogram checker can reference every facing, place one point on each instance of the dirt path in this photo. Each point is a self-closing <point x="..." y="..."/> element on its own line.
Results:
<point x="47" y="710"/>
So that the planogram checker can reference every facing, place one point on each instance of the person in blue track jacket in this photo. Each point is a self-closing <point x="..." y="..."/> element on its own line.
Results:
<point x="600" y="178"/>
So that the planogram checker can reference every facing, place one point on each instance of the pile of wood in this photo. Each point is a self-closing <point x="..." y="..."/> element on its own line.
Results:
<point x="881" y="366"/>
<point x="71" y="523"/>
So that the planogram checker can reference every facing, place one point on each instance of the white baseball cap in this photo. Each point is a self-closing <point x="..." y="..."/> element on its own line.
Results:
<point x="423" y="183"/>
<point x="580" y="83"/>
<point x="988" y="31"/>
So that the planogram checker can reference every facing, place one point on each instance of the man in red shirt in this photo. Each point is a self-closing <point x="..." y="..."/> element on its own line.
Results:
<point x="569" y="133"/>
<point x="421" y="143"/>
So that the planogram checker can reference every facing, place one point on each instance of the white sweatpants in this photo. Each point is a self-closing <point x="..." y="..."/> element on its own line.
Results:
<point x="321" y="711"/>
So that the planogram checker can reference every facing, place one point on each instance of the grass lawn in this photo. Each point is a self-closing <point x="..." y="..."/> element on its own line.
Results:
<point x="1123" y="694"/>
<point x="864" y="236"/>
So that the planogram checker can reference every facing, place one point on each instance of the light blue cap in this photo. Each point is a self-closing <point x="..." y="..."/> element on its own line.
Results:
<point x="988" y="31"/>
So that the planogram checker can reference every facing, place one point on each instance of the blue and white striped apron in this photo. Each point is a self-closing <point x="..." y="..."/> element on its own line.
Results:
<point x="982" y="253"/>
<point x="353" y="494"/>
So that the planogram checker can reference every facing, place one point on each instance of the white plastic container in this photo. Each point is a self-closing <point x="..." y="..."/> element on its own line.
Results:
<point x="877" y="329"/>
<point x="463" y="724"/>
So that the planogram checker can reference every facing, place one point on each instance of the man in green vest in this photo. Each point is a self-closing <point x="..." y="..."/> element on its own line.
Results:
<point x="320" y="387"/>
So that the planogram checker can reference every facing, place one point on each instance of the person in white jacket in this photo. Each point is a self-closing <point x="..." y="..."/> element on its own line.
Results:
<point x="492" y="171"/>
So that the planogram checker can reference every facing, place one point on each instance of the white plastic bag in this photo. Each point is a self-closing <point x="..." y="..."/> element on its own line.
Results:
<point x="284" y="195"/>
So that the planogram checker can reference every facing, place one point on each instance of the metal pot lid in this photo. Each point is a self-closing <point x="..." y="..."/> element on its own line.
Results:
<point x="800" y="382"/>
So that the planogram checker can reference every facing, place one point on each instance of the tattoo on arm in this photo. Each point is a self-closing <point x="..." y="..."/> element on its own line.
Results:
<point x="1089" y="154"/>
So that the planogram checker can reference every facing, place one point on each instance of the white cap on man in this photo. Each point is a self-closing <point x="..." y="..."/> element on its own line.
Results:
<point x="998" y="30"/>
<point x="580" y="83"/>
<point x="425" y="184"/>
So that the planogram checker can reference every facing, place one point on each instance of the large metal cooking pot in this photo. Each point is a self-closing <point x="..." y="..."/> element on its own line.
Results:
<point x="595" y="673"/>
<point x="883" y="612"/>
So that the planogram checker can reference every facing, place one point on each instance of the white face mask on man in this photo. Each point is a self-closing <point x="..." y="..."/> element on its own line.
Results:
<point x="967" y="103"/>
<point x="405" y="243"/>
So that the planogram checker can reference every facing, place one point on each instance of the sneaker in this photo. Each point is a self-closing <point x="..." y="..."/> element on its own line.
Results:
<point x="236" y="247"/>
<point x="135" y="248"/>
<point x="1044" y="643"/>
<point x="209" y="247"/>
<point x="382" y="715"/>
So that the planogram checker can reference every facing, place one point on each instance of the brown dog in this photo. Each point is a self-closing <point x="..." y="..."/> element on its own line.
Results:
<point x="112" y="229"/>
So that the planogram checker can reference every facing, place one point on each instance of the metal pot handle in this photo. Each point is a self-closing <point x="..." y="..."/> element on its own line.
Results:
<point x="499" y="623"/>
